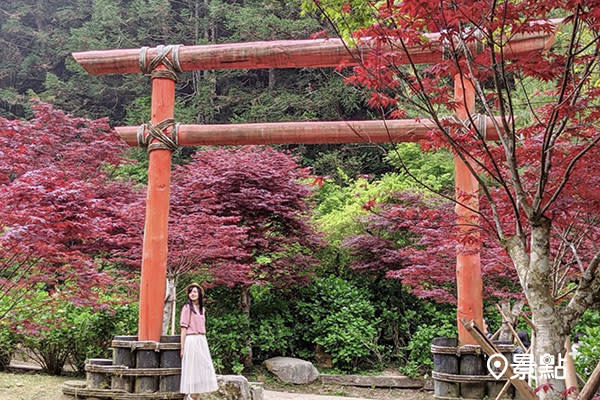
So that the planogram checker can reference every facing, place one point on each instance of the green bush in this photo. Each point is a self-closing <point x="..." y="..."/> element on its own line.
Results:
<point x="399" y="314"/>
<point x="50" y="338"/>
<point x="8" y="344"/>
<point x="55" y="331"/>
<point x="437" y="321"/>
<point x="588" y="352"/>
<point x="272" y="325"/>
<point x="338" y="316"/>
<point x="92" y="331"/>
<point x="226" y="335"/>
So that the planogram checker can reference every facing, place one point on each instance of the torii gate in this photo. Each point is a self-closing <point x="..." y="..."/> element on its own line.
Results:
<point x="162" y="136"/>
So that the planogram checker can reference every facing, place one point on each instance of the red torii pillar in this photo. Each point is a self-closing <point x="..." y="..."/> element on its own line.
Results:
<point x="278" y="54"/>
<point x="154" y="253"/>
<point x="469" y="286"/>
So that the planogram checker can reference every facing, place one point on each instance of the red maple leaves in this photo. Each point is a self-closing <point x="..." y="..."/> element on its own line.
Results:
<point x="60" y="209"/>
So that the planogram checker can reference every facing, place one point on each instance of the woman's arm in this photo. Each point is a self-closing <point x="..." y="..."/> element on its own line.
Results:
<point x="183" y="334"/>
<point x="184" y="322"/>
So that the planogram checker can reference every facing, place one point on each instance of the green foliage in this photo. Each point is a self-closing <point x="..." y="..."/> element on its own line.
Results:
<point x="92" y="331"/>
<point x="278" y="20"/>
<point x="399" y="314"/>
<point x="138" y="111"/>
<point x="14" y="105"/>
<point x="56" y="332"/>
<point x="347" y="162"/>
<point x="436" y="321"/>
<point x="8" y="342"/>
<point x="588" y="351"/>
<point x="340" y="206"/>
<point x="433" y="168"/>
<point x="226" y="335"/>
<point x="273" y="324"/>
<point x="346" y="16"/>
<point x="338" y="316"/>
<point x="135" y="171"/>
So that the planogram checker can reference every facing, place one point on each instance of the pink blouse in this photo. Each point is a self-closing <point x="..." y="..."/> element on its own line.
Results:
<point x="192" y="321"/>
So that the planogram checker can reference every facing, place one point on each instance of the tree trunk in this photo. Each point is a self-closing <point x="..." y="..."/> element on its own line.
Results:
<point x="246" y="301"/>
<point x="536" y="279"/>
<point x="271" y="78"/>
<point x="549" y="337"/>
<point x="505" y="332"/>
<point x="170" y="297"/>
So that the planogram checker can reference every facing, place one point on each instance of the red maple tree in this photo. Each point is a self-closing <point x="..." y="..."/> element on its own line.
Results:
<point x="240" y="216"/>
<point x="261" y="188"/>
<point x="62" y="215"/>
<point x="413" y="238"/>
<point x="199" y="240"/>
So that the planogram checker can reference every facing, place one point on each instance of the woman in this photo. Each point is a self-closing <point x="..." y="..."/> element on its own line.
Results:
<point x="197" y="371"/>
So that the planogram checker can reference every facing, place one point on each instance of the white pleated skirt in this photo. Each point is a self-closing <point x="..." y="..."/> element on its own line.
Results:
<point x="197" y="370"/>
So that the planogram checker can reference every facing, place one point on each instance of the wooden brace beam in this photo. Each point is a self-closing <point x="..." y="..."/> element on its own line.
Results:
<point x="394" y="131"/>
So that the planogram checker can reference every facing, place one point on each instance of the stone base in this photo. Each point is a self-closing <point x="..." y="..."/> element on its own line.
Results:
<point x="231" y="387"/>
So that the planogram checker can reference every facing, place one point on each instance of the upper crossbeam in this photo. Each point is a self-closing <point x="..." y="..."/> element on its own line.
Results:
<point x="291" y="54"/>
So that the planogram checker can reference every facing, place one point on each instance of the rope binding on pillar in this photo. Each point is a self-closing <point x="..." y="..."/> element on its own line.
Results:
<point x="479" y="123"/>
<point x="156" y="132"/>
<point x="162" y="57"/>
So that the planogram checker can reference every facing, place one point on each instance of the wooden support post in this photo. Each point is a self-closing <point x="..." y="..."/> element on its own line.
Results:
<point x="154" y="259"/>
<point x="592" y="385"/>
<point x="570" y="373"/>
<point x="503" y="390"/>
<point x="509" y="324"/>
<point x="489" y="348"/>
<point x="468" y="264"/>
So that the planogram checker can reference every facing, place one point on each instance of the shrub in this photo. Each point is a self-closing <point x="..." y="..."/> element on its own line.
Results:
<point x="55" y="331"/>
<point x="7" y="346"/>
<point x="272" y="325"/>
<point x="226" y="335"/>
<point x="92" y="331"/>
<point x="49" y="339"/>
<point x="399" y="313"/>
<point x="437" y="321"/>
<point x="588" y="352"/>
<point x="339" y="317"/>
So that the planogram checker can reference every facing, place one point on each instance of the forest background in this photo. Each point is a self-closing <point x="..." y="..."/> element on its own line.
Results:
<point x="314" y="270"/>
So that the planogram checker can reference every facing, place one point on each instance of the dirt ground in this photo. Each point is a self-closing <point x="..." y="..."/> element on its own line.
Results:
<point x="351" y="391"/>
<point x="35" y="386"/>
<point x="31" y="386"/>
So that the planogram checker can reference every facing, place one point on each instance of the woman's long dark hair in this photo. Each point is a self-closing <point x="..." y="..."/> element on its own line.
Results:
<point x="200" y="299"/>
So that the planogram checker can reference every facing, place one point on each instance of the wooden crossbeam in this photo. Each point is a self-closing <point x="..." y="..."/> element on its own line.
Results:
<point x="408" y="130"/>
<point x="290" y="54"/>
